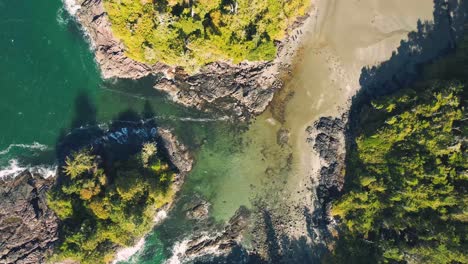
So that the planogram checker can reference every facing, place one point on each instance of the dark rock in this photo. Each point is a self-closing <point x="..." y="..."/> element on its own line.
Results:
<point x="237" y="89"/>
<point x="222" y="243"/>
<point x="328" y="139"/>
<point x="198" y="209"/>
<point x="240" y="90"/>
<point x="28" y="227"/>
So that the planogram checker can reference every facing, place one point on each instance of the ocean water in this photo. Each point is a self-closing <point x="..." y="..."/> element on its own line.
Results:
<point x="51" y="86"/>
<point x="49" y="80"/>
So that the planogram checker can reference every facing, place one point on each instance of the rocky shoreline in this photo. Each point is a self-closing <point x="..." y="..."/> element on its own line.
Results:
<point x="328" y="138"/>
<point x="30" y="228"/>
<point x="241" y="90"/>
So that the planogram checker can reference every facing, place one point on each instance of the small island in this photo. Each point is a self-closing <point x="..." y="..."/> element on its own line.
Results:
<point x="103" y="205"/>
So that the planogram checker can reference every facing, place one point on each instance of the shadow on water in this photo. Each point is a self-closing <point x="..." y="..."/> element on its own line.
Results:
<point x="116" y="141"/>
<point x="123" y="136"/>
<point x="431" y="41"/>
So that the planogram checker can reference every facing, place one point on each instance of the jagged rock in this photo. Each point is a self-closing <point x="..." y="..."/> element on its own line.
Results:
<point x="221" y="243"/>
<point x="240" y="90"/>
<point x="327" y="138"/>
<point x="109" y="52"/>
<point x="198" y="209"/>
<point x="28" y="227"/>
<point x="178" y="154"/>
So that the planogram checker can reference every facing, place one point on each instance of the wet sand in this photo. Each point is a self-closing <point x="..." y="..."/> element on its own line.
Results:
<point x="340" y="38"/>
<point x="346" y="36"/>
<point x="271" y="165"/>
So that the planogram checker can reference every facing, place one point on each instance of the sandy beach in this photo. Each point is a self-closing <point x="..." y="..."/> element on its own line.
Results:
<point x="339" y="39"/>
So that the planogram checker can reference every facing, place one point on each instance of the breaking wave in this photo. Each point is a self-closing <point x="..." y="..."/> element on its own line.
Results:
<point x="62" y="18"/>
<point x="178" y="252"/>
<point x="71" y="6"/>
<point x="15" y="168"/>
<point x="33" y="146"/>
<point x="125" y="254"/>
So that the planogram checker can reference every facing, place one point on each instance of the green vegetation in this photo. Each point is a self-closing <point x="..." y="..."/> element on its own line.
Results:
<point x="408" y="197"/>
<point x="104" y="206"/>
<point x="191" y="33"/>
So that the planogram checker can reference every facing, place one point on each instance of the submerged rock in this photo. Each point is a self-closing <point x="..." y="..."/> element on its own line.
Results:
<point x="28" y="227"/>
<point x="206" y="246"/>
<point x="198" y="209"/>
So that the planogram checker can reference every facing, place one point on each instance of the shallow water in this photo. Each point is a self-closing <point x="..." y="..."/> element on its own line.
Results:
<point x="239" y="169"/>
<point x="46" y="64"/>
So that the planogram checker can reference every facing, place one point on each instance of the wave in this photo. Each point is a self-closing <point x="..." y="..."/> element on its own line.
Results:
<point x="125" y="254"/>
<point x="33" y="146"/>
<point x="178" y="252"/>
<point x="14" y="169"/>
<point x="160" y="216"/>
<point x="71" y="6"/>
<point x="61" y="18"/>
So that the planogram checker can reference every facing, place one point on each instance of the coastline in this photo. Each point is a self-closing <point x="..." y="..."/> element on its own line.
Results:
<point x="327" y="73"/>
<point x="25" y="206"/>
<point x="241" y="90"/>
<point x="182" y="160"/>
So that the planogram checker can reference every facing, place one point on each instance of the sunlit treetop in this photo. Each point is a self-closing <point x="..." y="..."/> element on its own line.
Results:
<point x="191" y="33"/>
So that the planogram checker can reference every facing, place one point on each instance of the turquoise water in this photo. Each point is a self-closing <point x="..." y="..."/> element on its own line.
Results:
<point x="49" y="80"/>
<point x="45" y="64"/>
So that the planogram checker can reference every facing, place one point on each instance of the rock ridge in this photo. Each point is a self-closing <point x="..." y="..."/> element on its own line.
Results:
<point x="328" y="139"/>
<point x="241" y="90"/>
<point x="28" y="227"/>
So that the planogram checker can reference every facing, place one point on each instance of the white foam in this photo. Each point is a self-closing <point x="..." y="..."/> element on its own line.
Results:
<point x="160" y="216"/>
<point x="178" y="252"/>
<point x="124" y="254"/>
<point x="34" y="146"/>
<point x="71" y="6"/>
<point x="44" y="170"/>
<point x="14" y="168"/>
<point x="61" y="18"/>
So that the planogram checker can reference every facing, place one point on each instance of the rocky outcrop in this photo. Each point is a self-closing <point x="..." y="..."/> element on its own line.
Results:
<point x="219" y="244"/>
<point x="109" y="52"/>
<point x="197" y="209"/>
<point x="327" y="138"/>
<point x="28" y="228"/>
<point x="178" y="154"/>
<point x="240" y="90"/>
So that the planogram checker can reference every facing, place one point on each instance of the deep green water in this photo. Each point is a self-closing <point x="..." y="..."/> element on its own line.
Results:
<point x="45" y="63"/>
<point x="47" y="68"/>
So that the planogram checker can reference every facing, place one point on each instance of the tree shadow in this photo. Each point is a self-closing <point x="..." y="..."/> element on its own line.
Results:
<point x="431" y="42"/>
<point x="115" y="141"/>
